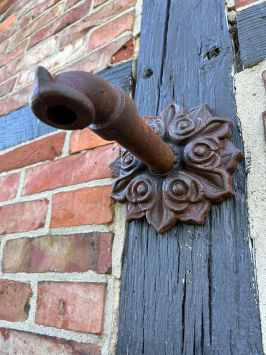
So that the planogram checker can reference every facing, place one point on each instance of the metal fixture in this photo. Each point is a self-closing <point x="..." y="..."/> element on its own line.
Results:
<point x="75" y="100"/>
<point x="172" y="167"/>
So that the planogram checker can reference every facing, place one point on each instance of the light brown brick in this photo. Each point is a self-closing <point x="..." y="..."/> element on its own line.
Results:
<point x="8" y="22"/>
<point x="14" y="28"/>
<point x="14" y="301"/>
<point x="105" y="13"/>
<point x="8" y="186"/>
<point x="85" y="139"/>
<point x="72" y="170"/>
<point x="23" y="216"/>
<point x="111" y="30"/>
<point x="60" y="58"/>
<point x="13" y="54"/>
<point x="5" y="4"/>
<point x="44" y="5"/>
<point x="98" y="2"/>
<point x="28" y="5"/>
<point x="17" y="100"/>
<point x="44" y="149"/>
<point x="39" y="22"/>
<point x="3" y="47"/>
<point x="82" y="207"/>
<point x="65" y="20"/>
<point x="37" y="54"/>
<point x="59" y="253"/>
<point x="71" y="3"/>
<point x="7" y="87"/>
<point x="72" y="306"/>
<point x="97" y="59"/>
<point x="29" y="344"/>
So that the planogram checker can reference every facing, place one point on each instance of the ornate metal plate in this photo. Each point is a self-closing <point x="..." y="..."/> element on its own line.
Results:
<point x="204" y="160"/>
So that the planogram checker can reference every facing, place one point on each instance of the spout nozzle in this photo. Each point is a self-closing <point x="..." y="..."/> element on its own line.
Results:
<point x="58" y="105"/>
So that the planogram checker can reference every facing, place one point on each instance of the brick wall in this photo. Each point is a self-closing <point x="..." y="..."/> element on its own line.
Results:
<point x="61" y="236"/>
<point x="61" y="36"/>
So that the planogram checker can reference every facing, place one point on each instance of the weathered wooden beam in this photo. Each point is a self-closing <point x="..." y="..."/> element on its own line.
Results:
<point x="251" y="24"/>
<point x="191" y="290"/>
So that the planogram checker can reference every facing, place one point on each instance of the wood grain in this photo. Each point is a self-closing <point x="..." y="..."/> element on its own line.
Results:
<point x="191" y="290"/>
<point x="251" y="24"/>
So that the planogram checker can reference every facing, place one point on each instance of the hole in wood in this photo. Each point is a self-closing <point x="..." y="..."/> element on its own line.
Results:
<point x="213" y="53"/>
<point x="148" y="73"/>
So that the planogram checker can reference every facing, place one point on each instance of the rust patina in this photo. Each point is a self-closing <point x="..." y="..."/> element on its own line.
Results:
<point x="75" y="100"/>
<point x="172" y="166"/>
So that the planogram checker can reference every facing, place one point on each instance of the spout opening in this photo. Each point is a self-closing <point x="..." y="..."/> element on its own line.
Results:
<point x="61" y="115"/>
<point x="62" y="107"/>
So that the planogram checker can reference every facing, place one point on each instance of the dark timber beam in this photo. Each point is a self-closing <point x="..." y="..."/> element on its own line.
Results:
<point x="191" y="290"/>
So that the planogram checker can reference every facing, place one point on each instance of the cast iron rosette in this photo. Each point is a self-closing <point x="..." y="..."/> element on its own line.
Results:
<point x="204" y="160"/>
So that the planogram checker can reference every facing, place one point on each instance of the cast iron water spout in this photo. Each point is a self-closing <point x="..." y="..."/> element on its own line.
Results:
<point x="75" y="100"/>
<point x="172" y="166"/>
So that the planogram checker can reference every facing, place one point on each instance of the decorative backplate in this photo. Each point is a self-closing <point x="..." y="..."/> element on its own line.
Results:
<point x="204" y="159"/>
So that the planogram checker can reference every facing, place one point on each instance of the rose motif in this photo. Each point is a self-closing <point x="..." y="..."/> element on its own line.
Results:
<point x="203" y="153"/>
<point x="202" y="176"/>
<point x="180" y="190"/>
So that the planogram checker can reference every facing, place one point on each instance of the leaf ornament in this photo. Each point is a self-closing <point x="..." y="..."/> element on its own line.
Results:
<point x="185" y="193"/>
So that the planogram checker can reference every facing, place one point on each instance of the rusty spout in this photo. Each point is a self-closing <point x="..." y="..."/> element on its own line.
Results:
<point x="75" y="100"/>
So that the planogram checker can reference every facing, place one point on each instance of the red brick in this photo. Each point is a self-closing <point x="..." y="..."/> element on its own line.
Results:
<point x="111" y="30"/>
<point x="28" y="343"/>
<point x="19" y="99"/>
<point x="72" y="306"/>
<point x="14" y="28"/>
<point x="104" y="262"/>
<point x="37" y="54"/>
<point x="44" y="6"/>
<point x="82" y="207"/>
<point x="97" y="18"/>
<point x="23" y="216"/>
<point x="13" y="54"/>
<point x="98" y="2"/>
<point x="8" y="187"/>
<point x="3" y="47"/>
<point x="70" y="3"/>
<point x="65" y="20"/>
<point x="22" y="7"/>
<point x="125" y="52"/>
<point x="72" y="170"/>
<point x="85" y="139"/>
<point x="7" y="87"/>
<point x="240" y="3"/>
<point x="14" y="9"/>
<point x="5" y="4"/>
<point x="8" y="22"/>
<point x="59" y="253"/>
<point x="14" y="297"/>
<point x="27" y="6"/>
<point x="39" y="22"/>
<point x="44" y="149"/>
<point x="60" y="58"/>
<point x="97" y="59"/>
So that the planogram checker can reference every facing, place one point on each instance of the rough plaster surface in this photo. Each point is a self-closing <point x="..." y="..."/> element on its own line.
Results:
<point x="251" y="102"/>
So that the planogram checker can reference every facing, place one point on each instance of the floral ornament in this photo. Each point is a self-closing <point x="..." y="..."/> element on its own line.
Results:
<point x="204" y="159"/>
